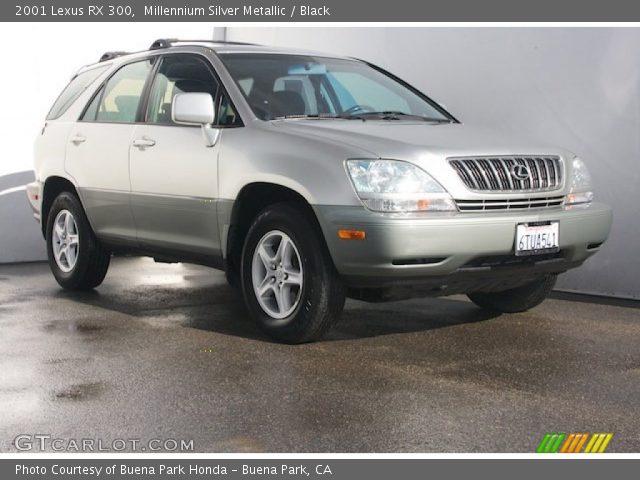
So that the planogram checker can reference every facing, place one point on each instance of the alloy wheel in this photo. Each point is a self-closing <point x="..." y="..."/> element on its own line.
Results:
<point x="65" y="241"/>
<point x="277" y="274"/>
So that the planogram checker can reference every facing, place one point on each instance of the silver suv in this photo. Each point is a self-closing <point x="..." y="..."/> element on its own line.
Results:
<point x="306" y="178"/>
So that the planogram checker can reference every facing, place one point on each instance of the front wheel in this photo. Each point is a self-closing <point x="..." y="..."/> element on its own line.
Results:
<point x="76" y="257"/>
<point x="518" y="299"/>
<point x="288" y="279"/>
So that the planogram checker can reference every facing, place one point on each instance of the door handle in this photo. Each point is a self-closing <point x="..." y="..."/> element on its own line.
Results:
<point x="143" y="143"/>
<point x="78" y="139"/>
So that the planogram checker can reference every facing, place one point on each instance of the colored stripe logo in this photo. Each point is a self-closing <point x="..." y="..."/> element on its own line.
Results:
<point x="574" y="443"/>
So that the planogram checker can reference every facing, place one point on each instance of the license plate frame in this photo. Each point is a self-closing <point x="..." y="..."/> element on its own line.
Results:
<point x="537" y="238"/>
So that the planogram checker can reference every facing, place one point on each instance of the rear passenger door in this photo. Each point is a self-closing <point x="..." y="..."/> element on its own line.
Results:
<point x="174" y="174"/>
<point x="98" y="151"/>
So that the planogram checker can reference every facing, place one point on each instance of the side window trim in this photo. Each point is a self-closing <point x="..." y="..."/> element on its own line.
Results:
<point x="96" y="96"/>
<point x="222" y="93"/>
<point x="141" y="114"/>
<point x="101" y="89"/>
<point x="144" y="98"/>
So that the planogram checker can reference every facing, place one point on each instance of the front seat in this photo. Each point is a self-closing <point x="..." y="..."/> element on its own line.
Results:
<point x="285" y="103"/>
<point x="192" y="85"/>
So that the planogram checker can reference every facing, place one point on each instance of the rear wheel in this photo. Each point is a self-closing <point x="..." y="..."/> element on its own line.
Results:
<point x="76" y="258"/>
<point x="288" y="280"/>
<point x="517" y="299"/>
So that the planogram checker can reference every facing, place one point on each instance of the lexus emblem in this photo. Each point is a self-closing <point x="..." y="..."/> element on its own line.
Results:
<point x="520" y="172"/>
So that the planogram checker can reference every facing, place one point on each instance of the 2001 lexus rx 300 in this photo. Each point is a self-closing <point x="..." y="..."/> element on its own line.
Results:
<point x="307" y="178"/>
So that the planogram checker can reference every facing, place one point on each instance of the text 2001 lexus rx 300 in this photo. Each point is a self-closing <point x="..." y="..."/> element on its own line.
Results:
<point x="307" y="178"/>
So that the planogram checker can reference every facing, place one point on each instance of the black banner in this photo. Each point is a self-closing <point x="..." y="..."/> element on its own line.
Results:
<point x="315" y="469"/>
<point x="319" y="11"/>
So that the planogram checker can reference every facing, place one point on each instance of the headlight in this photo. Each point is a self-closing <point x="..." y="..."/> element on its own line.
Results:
<point x="396" y="186"/>
<point x="581" y="191"/>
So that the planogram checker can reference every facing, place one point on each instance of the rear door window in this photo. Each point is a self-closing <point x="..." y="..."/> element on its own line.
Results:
<point x="119" y="99"/>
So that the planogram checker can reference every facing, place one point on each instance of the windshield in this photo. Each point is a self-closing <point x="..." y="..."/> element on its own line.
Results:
<point x="281" y="86"/>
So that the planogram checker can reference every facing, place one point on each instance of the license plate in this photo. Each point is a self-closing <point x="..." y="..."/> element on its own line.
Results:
<point x="537" y="238"/>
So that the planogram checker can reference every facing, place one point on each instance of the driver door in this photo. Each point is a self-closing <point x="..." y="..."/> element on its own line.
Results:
<point x="174" y="174"/>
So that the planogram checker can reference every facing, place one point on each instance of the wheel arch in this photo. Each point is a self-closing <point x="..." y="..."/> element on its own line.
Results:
<point x="54" y="186"/>
<point x="250" y="201"/>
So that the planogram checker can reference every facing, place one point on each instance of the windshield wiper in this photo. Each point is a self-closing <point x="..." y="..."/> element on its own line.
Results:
<point x="394" y="115"/>
<point x="316" y="115"/>
<point x="386" y="115"/>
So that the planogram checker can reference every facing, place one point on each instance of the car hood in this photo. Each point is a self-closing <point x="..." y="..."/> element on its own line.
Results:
<point x="406" y="140"/>
<point x="427" y="145"/>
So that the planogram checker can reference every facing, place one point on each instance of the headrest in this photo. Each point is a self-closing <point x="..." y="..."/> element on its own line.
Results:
<point x="286" y="102"/>
<point x="190" y="86"/>
<point x="127" y="106"/>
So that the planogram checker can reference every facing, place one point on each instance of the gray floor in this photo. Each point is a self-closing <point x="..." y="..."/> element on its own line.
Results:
<point x="167" y="351"/>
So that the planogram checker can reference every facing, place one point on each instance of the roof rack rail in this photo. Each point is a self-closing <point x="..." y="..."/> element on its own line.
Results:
<point x="169" y="42"/>
<point x="162" y="43"/>
<point x="111" y="55"/>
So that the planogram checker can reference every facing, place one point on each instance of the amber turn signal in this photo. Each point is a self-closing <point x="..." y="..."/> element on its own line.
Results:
<point x="351" y="234"/>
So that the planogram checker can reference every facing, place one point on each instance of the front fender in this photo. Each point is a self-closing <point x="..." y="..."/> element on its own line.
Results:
<point x="309" y="166"/>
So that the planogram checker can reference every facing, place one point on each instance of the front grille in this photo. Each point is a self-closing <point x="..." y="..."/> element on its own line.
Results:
<point x="500" y="174"/>
<point x="509" y="204"/>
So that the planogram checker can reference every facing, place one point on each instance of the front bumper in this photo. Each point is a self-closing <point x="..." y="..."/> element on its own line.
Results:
<point x="436" y="248"/>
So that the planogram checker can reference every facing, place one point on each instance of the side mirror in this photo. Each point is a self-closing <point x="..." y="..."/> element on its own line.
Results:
<point x="196" y="108"/>
<point x="193" y="109"/>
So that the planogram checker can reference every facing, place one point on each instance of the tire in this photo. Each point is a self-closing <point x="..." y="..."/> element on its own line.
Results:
<point x="232" y="278"/>
<point x="518" y="299"/>
<point x="312" y="294"/>
<point x="232" y="268"/>
<point x="86" y="268"/>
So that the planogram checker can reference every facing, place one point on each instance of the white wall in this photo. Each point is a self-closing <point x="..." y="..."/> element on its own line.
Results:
<point x="37" y="62"/>
<point x="574" y="87"/>
<point x="578" y="88"/>
<point x="39" y="59"/>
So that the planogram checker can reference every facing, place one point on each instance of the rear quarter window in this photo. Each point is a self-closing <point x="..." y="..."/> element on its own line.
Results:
<point x="73" y="90"/>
